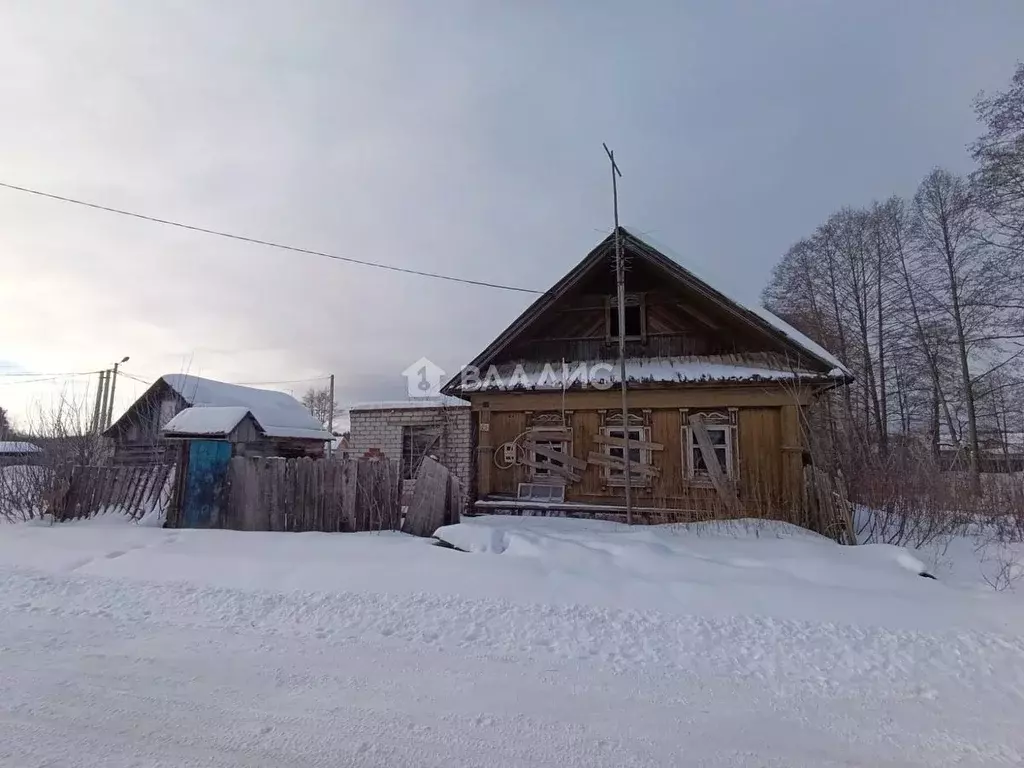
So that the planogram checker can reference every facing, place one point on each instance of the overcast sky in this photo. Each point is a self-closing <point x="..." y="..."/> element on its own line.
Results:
<point x="458" y="137"/>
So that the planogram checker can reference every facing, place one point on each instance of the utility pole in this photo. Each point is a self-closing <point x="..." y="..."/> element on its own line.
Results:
<point x="109" y="415"/>
<point x="620" y="296"/>
<point x="330" y="421"/>
<point x="99" y="398"/>
<point x="105" y="399"/>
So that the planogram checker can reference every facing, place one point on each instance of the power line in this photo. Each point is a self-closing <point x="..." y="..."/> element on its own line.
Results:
<point x="35" y="381"/>
<point x="133" y="377"/>
<point x="44" y="377"/>
<point x="268" y="243"/>
<point x="51" y="373"/>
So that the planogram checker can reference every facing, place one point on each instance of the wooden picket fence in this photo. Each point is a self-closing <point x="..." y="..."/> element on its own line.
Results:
<point x="297" y="495"/>
<point x="132" y="491"/>
<point x="274" y="494"/>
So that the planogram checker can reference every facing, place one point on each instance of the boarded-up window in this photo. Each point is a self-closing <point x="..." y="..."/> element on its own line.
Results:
<point x="541" y="463"/>
<point x="721" y="429"/>
<point x="637" y="456"/>
<point x="418" y="441"/>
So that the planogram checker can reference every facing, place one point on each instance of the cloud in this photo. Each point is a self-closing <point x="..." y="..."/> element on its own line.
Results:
<point x="459" y="137"/>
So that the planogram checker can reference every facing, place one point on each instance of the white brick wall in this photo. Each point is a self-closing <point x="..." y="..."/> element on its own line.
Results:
<point x="381" y="430"/>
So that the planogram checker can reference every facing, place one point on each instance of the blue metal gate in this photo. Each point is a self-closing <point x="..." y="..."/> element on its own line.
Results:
<point x="205" y="482"/>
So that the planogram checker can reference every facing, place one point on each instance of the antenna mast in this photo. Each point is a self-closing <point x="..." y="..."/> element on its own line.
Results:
<point x="620" y="286"/>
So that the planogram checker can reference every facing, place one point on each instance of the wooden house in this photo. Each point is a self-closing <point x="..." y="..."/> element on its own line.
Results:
<point x="257" y="422"/>
<point x="19" y="452"/>
<point x="715" y="392"/>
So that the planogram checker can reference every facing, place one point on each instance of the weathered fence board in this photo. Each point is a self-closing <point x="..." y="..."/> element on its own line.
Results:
<point x="826" y="506"/>
<point x="130" y="490"/>
<point x="306" y="494"/>
<point x="349" y="481"/>
<point x="435" y="500"/>
<point x="274" y="494"/>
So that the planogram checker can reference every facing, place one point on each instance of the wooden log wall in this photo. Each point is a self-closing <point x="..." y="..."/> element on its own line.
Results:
<point x="767" y="456"/>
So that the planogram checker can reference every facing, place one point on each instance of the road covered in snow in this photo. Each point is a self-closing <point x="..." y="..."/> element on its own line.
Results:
<point x="551" y="643"/>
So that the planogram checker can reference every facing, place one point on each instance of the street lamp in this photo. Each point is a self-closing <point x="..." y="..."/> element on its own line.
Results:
<point x="113" y="386"/>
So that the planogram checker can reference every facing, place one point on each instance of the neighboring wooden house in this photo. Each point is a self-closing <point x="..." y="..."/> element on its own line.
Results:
<point x="257" y="422"/>
<point x="19" y="452"/>
<point x="715" y="396"/>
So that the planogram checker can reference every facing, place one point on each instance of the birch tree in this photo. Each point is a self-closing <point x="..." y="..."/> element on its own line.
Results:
<point x="924" y="300"/>
<point x="959" y="274"/>
<point x="999" y="153"/>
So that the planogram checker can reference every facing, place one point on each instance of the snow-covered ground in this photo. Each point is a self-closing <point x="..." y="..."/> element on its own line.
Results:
<point x="552" y="642"/>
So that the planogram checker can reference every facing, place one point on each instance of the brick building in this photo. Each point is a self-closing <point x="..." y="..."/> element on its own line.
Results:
<point x="408" y="430"/>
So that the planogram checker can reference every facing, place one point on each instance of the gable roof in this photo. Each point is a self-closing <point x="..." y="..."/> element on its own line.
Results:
<point x="754" y="319"/>
<point x="278" y="414"/>
<point x="206" y="420"/>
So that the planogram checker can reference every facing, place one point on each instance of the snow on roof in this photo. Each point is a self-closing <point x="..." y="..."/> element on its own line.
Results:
<point x="780" y="325"/>
<point x="17" y="447"/>
<point x="800" y="339"/>
<point x="420" y="402"/>
<point x="278" y="414"/>
<point x="206" y="420"/>
<point x="602" y="374"/>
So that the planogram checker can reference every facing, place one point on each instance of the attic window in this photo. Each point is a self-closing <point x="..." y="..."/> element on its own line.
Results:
<point x="636" y="320"/>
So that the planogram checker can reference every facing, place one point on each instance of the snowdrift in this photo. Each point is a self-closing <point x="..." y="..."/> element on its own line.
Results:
<point x="753" y="548"/>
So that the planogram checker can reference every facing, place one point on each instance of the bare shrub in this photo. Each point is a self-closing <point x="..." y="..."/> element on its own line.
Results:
<point x="62" y="430"/>
<point x="905" y="495"/>
<point x="907" y="501"/>
<point x="1001" y="558"/>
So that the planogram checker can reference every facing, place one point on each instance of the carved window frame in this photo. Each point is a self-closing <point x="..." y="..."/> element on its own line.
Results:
<point x="725" y="420"/>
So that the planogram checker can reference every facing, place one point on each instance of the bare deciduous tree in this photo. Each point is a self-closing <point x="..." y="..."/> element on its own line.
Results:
<point x="319" y="403"/>
<point x="999" y="153"/>
<point x="62" y="430"/>
<point x="954" y="275"/>
<point x="5" y="424"/>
